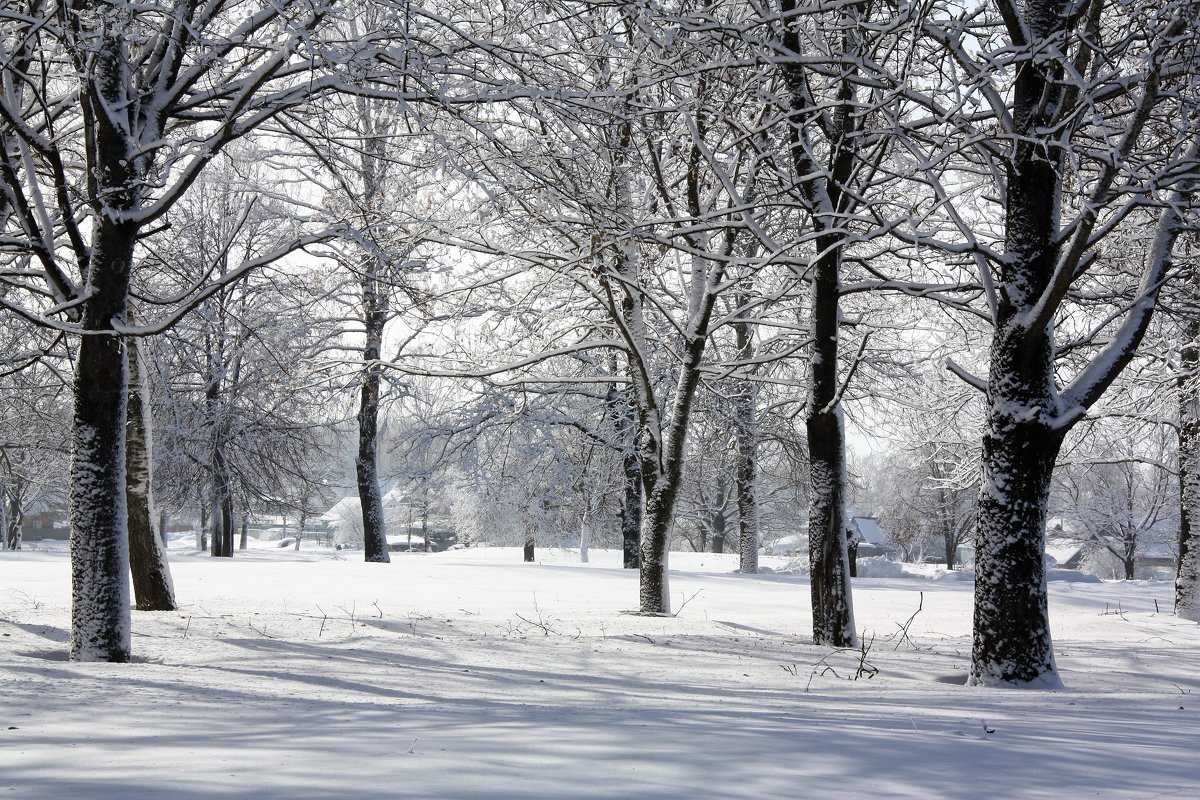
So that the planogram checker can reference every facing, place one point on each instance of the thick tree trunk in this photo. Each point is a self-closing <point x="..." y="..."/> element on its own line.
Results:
<point x="100" y="622"/>
<point x="1187" y="579"/>
<point x="1012" y="642"/>
<point x="654" y="586"/>
<point x="366" y="463"/>
<point x="152" y="586"/>
<point x="14" y="514"/>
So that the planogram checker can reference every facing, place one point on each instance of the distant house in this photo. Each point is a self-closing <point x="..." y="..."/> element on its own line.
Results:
<point x="1072" y="547"/>
<point x="871" y="539"/>
<point x="790" y="545"/>
<point x="402" y="517"/>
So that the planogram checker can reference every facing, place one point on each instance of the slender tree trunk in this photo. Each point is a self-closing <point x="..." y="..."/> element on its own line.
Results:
<point x="745" y="434"/>
<point x="621" y="409"/>
<point x="245" y="537"/>
<point x="1187" y="579"/>
<point x="153" y="589"/>
<point x="585" y="532"/>
<point x="366" y="464"/>
<point x="202" y="525"/>
<point x="832" y="603"/>
<point x="13" y="530"/>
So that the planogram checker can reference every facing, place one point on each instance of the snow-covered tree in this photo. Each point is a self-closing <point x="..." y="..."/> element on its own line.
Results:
<point x="111" y="111"/>
<point x="1082" y="126"/>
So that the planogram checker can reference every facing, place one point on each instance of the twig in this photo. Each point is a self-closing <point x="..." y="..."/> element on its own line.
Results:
<point x="687" y="600"/>
<point x="904" y="637"/>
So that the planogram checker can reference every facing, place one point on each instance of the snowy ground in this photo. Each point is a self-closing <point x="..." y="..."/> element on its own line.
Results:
<point x="471" y="675"/>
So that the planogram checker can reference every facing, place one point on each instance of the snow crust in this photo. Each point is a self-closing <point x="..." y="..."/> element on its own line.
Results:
<point x="468" y="674"/>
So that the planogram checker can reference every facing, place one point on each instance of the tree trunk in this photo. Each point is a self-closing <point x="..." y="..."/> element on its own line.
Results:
<point x="718" y="522"/>
<point x="152" y="586"/>
<point x="366" y="463"/>
<point x="745" y="434"/>
<point x="951" y="546"/>
<point x="1012" y="628"/>
<point x="12" y="531"/>
<point x="202" y="531"/>
<point x="100" y="622"/>
<point x="1187" y="579"/>
<point x="631" y="504"/>
<point x="832" y="602"/>
<point x="530" y="554"/>
<point x="654" y="586"/>
<point x="222" y="513"/>
<point x="245" y="536"/>
<point x="585" y="533"/>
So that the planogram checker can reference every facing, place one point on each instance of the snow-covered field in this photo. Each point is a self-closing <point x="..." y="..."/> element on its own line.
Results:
<point x="471" y="675"/>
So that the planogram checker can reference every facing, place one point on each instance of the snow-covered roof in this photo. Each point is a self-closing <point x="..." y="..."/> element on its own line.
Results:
<point x="868" y="530"/>
<point x="342" y="509"/>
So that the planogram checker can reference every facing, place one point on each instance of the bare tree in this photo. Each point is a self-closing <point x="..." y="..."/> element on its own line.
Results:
<point x="123" y="107"/>
<point x="1187" y="581"/>
<point x="1071" y="129"/>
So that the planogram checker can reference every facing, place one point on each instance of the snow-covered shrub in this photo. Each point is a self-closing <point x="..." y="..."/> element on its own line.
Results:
<point x="879" y="567"/>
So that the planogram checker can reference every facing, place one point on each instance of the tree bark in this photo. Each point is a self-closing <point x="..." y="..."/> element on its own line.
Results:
<point x="1012" y="641"/>
<point x="153" y="589"/>
<point x="529" y="553"/>
<point x="1187" y="579"/>
<point x="222" y="516"/>
<point x="621" y="409"/>
<point x="100" y="622"/>
<point x="1012" y="627"/>
<point x="745" y="433"/>
<point x="366" y="463"/>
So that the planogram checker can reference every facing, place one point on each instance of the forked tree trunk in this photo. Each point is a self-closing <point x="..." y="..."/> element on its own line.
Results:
<point x="152" y="586"/>
<point x="222" y="514"/>
<point x="1012" y="626"/>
